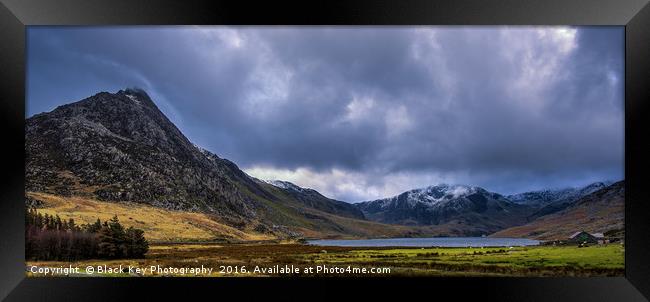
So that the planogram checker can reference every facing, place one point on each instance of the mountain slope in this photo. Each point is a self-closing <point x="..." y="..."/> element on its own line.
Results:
<point x="119" y="147"/>
<point x="159" y="224"/>
<point x="598" y="212"/>
<point x="313" y="199"/>
<point x="470" y="210"/>
<point x="551" y="201"/>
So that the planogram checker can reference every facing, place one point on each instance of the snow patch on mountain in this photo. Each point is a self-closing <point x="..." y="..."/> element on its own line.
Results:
<point x="432" y="196"/>
<point x="542" y="197"/>
<point x="133" y="98"/>
<point x="285" y="185"/>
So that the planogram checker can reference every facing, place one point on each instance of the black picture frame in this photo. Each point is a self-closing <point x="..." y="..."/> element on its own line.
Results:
<point x="15" y="15"/>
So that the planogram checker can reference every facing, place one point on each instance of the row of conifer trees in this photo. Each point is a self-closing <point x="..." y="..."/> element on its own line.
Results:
<point x="49" y="237"/>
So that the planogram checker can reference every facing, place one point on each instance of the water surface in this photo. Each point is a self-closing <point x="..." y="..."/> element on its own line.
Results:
<point x="430" y="242"/>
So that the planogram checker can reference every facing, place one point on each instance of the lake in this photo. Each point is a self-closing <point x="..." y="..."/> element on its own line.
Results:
<point x="430" y="242"/>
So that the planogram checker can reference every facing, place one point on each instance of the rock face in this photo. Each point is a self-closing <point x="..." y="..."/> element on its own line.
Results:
<point x="120" y="147"/>
<point x="475" y="209"/>
<point x="313" y="199"/>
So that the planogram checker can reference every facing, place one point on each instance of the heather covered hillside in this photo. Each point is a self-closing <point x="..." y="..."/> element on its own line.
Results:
<point x="119" y="147"/>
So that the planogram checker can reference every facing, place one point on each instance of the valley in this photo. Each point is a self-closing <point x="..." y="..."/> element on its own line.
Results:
<point x="117" y="154"/>
<point x="163" y="225"/>
<point x="240" y="260"/>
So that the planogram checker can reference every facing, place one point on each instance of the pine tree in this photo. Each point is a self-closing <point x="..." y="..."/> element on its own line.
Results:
<point x="46" y="222"/>
<point x="47" y="237"/>
<point x="71" y="225"/>
<point x="57" y="223"/>
<point x="106" y="247"/>
<point x="136" y="243"/>
<point x="39" y="221"/>
<point x="93" y="228"/>
<point x="112" y="243"/>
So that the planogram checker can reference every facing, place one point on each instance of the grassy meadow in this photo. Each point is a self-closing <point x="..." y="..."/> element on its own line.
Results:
<point x="184" y="239"/>
<point x="158" y="224"/>
<point x="597" y="260"/>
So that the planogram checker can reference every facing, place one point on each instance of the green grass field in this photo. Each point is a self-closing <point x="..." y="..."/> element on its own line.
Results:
<point x="597" y="260"/>
<point x="543" y="260"/>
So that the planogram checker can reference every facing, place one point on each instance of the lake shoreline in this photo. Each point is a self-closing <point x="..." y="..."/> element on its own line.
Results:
<point x="460" y="242"/>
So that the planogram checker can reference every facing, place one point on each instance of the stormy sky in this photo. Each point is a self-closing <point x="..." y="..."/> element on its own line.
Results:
<point x="360" y="113"/>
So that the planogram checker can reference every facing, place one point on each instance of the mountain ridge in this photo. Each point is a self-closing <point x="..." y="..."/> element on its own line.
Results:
<point x="480" y="211"/>
<point x="124" y="148"/>
<point x="597" y="212"/>
<point x="550" y="201"/>
<point x="316" y="200"/>
<point x="120" y="147"/>
<point x="470" y="208"/>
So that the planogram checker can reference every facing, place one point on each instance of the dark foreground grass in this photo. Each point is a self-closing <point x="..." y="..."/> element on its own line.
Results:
<point x="228" y="260"/>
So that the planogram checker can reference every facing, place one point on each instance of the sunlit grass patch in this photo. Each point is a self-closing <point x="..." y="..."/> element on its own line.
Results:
<point x="158" y="224"/>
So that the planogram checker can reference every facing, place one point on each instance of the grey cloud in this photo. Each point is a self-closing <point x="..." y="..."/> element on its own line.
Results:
<point x="506" y="108"/>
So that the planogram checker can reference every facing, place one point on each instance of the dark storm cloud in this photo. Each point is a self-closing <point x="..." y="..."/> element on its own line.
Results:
<point x="363" y="112"/>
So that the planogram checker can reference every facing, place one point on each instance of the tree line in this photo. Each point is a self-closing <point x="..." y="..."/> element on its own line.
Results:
<point x="48" y="237"/>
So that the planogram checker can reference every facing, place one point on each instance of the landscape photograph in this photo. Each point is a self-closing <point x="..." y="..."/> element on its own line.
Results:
<point x="327" y="151"/>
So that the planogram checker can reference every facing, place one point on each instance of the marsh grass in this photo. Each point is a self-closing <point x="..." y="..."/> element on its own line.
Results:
<point x="598" y="260"/>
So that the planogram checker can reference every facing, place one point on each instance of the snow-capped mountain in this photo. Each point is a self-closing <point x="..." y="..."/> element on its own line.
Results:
<point x="551" y="201"/>
<point x="473" y="209"/>
<point x="470" y="209"/>
<point x="286" y="185"/>
<point x="601" y="211"/>
<point x="313" y="199"/>
<point x="432" y="196"/>
<point x="544" y="197"/>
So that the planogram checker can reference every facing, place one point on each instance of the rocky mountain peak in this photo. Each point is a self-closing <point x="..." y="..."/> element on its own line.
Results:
<point x="550" y="196"/>
<point x="442" y="204"/>
<point x="446" y="191"/>
<point x="120" y="146"/>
